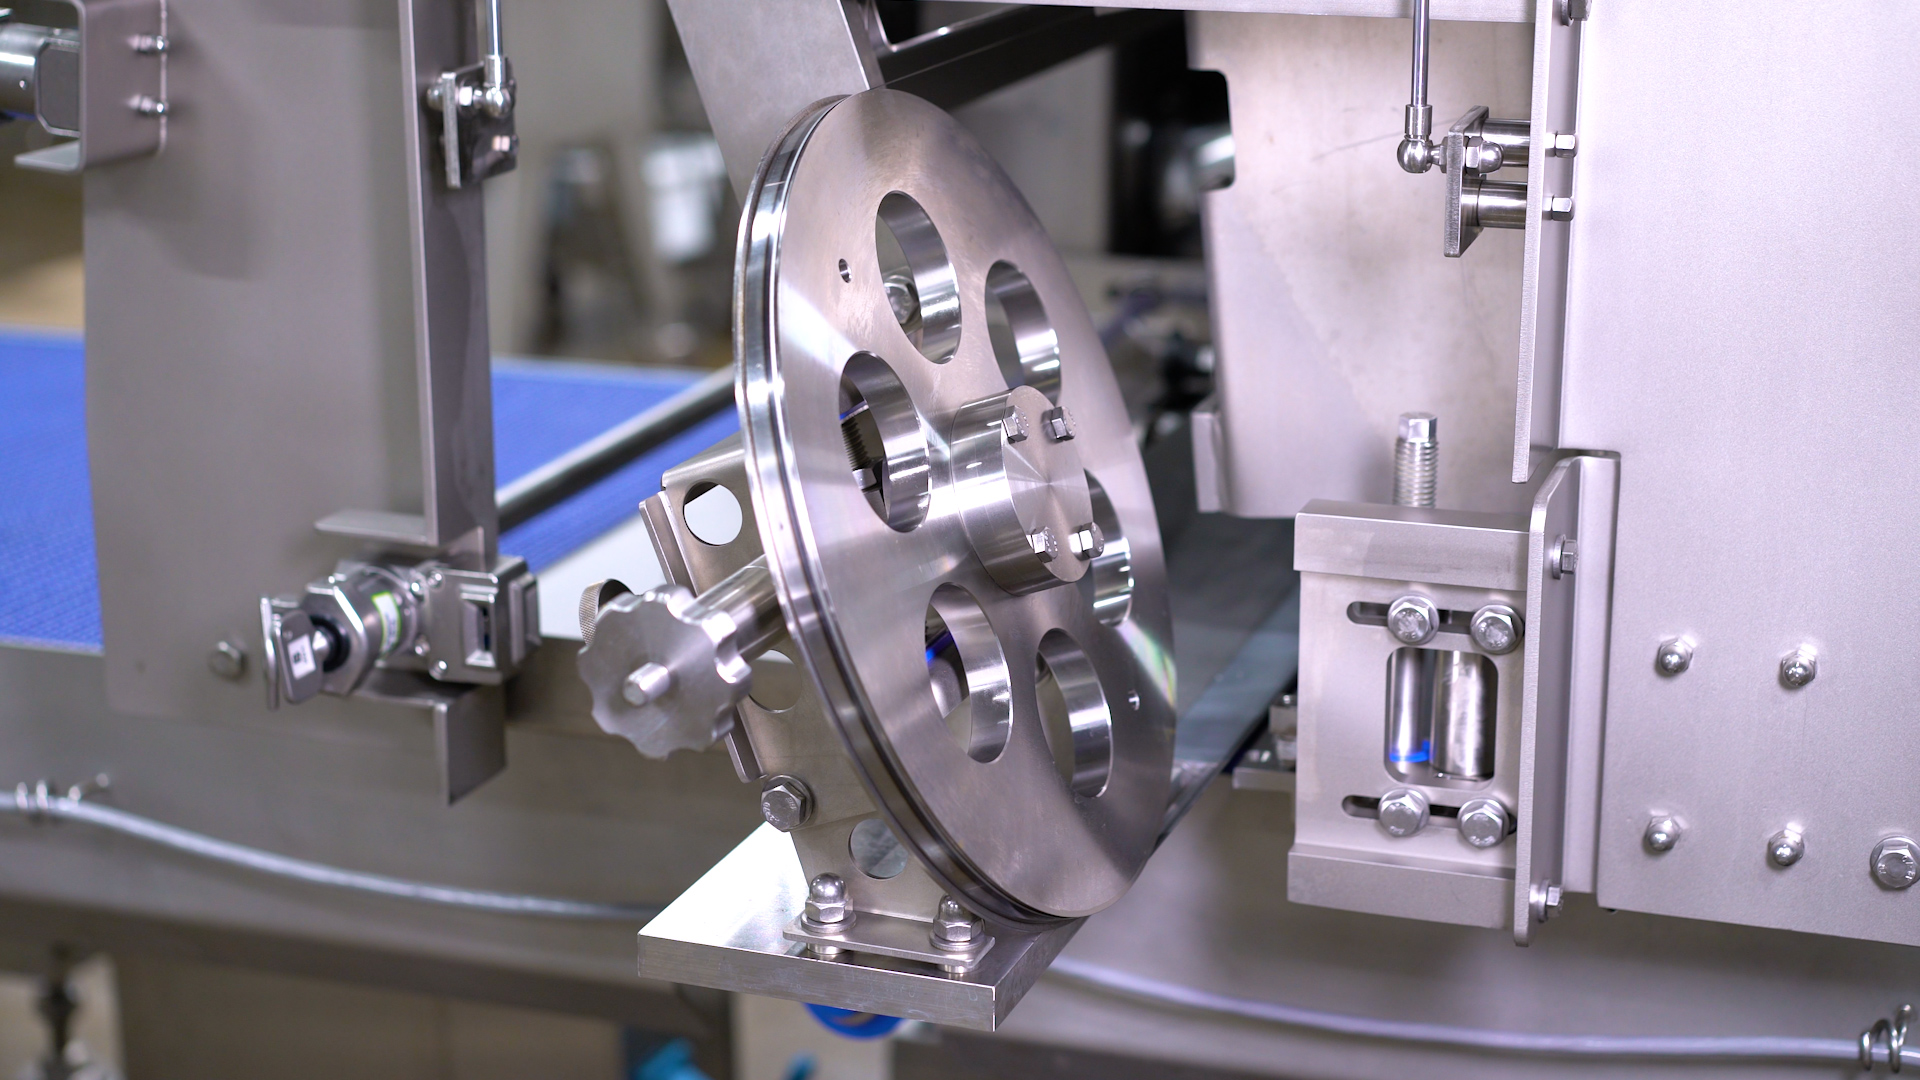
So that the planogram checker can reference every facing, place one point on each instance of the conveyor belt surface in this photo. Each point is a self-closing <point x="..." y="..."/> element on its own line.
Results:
<point x="49" y="588"/>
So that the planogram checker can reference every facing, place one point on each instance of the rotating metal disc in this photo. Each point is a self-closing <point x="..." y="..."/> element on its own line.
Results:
<point x="953" y="507"/>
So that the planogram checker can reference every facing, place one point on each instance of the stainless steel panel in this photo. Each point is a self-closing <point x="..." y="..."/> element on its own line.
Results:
<point x="1333" y="308"/>
<point x="757" y="72"/>
<point x="1753" y="365"/>
<point x="1543" y="270"/>
<point x="1473" y="10"/>
<point x="249" y="337"/>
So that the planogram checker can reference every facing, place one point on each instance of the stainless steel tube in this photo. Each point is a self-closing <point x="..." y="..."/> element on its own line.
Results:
<point x="594" y="461"/>
<point x="19" y="52"/>
<point x="1513" y="137"/>
<point x="1463" y="699"/>
<point x="1493" y="204"/>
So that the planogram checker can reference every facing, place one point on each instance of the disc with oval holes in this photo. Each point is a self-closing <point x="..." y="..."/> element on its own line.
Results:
<point x="1006" y="690"/>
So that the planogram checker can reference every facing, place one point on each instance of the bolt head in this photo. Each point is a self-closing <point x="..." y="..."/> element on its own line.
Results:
<point x="1786" y="847"/>
<point x="954" y="926"/>
<point x="227" y="660"/>
<point x="1046" y="546"/>
<point x="827" y="903"/>
<point x="786" y="803"/>
<point x="1663" y="833"/>
<point x="1413" y="620"/>
<point x="1403" y="812"/>
<point x="1896" y="862"/>
<point x="1015" y="425"/>
<point x="1798" y="667"/>
<point x="1674" y="656"/>
<point x="1496" y="629"/>
<point x="1483" y="823"/>
<point x="422" y="647"/>
<point x="1057" y="422"/>
<point x="645" y="684"/>
<point x="1087" y="542"/>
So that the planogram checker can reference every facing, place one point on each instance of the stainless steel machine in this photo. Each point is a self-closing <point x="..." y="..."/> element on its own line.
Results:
<point x="1530" y="577"/>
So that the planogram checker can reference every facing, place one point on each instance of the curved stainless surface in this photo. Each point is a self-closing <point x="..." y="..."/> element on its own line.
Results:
<point x="1009" y="834"/>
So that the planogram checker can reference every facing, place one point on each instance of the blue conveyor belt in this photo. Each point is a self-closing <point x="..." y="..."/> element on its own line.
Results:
<point x="49" y="587"/>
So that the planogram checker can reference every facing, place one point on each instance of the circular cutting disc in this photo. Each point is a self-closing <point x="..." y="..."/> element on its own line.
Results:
<point x="929" y="415"/>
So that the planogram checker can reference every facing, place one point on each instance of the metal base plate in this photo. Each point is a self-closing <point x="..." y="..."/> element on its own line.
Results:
<point x="728" y="932"/>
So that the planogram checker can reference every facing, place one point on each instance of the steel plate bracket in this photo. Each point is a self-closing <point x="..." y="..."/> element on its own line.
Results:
<point x="1544" y="266"/>
<point x="1569" y="594"/>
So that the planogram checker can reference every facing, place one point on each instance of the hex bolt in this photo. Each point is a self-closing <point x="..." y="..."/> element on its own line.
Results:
<point x="1015" y="425"/>
<point x="1674" y="656"/>
<point x="1483" y="823"/>
<point x="1496" y="628"/>
<point x="827" y="907"/>
<point x="1798" y="667"/>
<point x="785" y="802"/>
<point x="1896" y="862"/>
<point x="1663" y="832"/>
<point x="227" y="659"/>
<point x="1786" y="847"/>
<point x="1087" y="542"/>
<point x="1416" y="459"/>
<point x="1403" y="812"/>
<point x="645" y="684"/>
<point x="1046" y="546"/>
<point x="1413" y="620"/>
<point x="1563" y="557"/>
<point x="1545" y="900"/>
<point x="1058" y="423"/>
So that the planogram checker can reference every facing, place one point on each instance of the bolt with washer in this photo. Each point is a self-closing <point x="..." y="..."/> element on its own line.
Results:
<point x="785" y="802"/>
<point x="1403" y="812"/>
<point x="1663" y="832"/>
<point x="1674" y="656"/>
<point x="1483" y="823"/>
<point x="227" y="660"/>
<point x="1896" y="862"/>
<point x="1413" y="620"/>
<point x="1798" y="667"/>
<point x="1786" y="847"/>
<point x="1496" y="628"/>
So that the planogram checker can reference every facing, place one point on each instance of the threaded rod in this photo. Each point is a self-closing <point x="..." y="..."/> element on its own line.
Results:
<point x="1416" y="459"/>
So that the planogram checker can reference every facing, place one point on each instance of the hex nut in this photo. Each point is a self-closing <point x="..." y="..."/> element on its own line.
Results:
<point x="1483" y="823"/>
<point x="954" y="927"/>
<point x="1799" y="667"/>
<point x="1497" y="629"/>
<point x="1663" y="833"/>
<point x="1675" y="655"/>
<point x="1403" y="812"/>
<point x="827" y="904"/>
<point x="1786" y="847"/>
<point x="1896" y="862"/>
<point x="785" y="803"/>
<point x="1014" y="424"/>
<point x="1413" y="620"/>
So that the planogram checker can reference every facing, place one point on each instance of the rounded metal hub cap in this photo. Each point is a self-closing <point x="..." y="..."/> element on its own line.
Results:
<point x="953" y="507"/>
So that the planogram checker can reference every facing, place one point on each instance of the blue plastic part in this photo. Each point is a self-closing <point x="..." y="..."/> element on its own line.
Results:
<point x="49" y="581"/>
<point x="854" y="1025"/>
<point x="801" y="1067"/>
<point x="673" y="1061"/>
